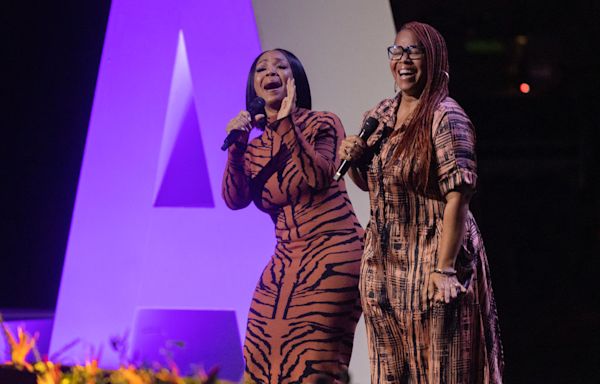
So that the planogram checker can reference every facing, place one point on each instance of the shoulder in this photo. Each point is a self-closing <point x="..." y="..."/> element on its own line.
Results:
<point x="450" y="113"/>
<point x="383" y="111"/>
<point x="381" y="108"/>
<point x="318" y="118"/>
<point x="320" y="115"/>
<point x="450" y="109"/>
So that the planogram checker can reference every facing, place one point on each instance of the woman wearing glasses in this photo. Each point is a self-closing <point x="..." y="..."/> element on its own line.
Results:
<point x="425" y="285"/>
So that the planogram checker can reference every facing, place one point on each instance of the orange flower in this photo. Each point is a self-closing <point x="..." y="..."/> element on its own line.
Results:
<point x="170" y="376"/>
<point x="47" y="372"/>
<point x="91" y="370"/>
<point x="130" y="375"/>
<point x="19" y="347"/>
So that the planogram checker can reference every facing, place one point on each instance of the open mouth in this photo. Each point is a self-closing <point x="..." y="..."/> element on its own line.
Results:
<point x="407" y="73"/>
<point x="272" y="85"/>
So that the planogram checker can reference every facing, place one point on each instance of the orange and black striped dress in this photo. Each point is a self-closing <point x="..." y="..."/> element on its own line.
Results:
<point x="412" y="340"/>
<point x="306" y="303"/>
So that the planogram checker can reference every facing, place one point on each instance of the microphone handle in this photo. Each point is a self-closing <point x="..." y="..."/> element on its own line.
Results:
<point x="230" y="139"/>
<point x="342" y="170"/>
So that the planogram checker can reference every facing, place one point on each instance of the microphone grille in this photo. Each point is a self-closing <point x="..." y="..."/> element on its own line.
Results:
<point x="257" y="106"/>
<point x="370" y="125"/>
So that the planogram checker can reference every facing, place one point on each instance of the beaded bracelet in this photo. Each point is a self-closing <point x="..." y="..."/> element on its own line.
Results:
<point x="446" y="273"/>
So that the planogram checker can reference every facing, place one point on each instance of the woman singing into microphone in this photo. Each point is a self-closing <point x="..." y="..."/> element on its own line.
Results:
<point x="306" y="303"/>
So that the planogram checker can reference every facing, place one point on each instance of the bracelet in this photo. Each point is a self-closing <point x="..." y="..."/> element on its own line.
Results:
<point x="446" y="273"/>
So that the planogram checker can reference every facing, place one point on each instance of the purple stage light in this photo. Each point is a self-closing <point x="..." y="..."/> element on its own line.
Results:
<point x="185" y="180"/>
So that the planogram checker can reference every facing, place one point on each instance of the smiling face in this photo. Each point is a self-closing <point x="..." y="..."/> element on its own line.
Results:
<point x="270" y="78"/>
<point x="409" y="74"/>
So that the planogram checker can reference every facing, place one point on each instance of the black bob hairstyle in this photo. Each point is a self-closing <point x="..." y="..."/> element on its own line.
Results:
<point x="303" y="99"/>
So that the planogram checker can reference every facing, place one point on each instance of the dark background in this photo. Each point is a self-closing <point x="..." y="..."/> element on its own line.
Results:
<point x="537" y="202"/>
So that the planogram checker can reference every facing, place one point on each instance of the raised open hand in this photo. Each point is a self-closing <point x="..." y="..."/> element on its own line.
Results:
<point x="288" y="104"/>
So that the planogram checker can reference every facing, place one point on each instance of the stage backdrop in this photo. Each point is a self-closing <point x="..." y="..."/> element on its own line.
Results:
<point x="149" y="227"/>
<point x="342" y="44"/>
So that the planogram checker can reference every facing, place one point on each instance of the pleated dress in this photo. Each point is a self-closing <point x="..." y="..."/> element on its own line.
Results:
<point x="412" y="340"/>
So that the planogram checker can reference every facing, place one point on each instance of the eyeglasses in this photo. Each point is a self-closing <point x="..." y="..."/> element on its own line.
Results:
<point x="414" y="52"/>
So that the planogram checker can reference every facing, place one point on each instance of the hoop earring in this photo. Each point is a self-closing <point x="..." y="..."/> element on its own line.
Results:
<point x="447" y="74"/>
<point x="395" y="88"/>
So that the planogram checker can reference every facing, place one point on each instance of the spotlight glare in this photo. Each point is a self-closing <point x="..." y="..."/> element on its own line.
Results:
<point x="524" y="88"/>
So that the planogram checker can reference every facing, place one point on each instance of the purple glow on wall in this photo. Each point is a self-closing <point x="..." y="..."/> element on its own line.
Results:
<point x="150" y="116"/>
<point x="185" y="180"/>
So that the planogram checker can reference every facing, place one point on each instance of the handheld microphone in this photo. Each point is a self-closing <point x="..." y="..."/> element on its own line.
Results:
<point x="366" y="131"/>
<point x="256" y="107"/>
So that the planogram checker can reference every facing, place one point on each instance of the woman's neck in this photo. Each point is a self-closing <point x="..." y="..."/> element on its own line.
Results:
<point x="407" y="106"/>
<point x="408" y="102"/>
<point x="272" y="111"/>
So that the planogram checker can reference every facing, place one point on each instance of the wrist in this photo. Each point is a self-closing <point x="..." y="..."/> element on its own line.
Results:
<point x="361" y="163"/>
<point x="364" y="160"/>
<point x="447" y="271"/>
<point x="240" y="145"/>
<point x="238" y="148"/>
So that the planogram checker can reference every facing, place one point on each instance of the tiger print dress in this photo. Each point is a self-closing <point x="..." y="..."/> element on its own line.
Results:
<point x="306" y="304"/>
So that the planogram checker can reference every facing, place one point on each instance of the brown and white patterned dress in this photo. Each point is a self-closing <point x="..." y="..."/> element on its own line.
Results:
<point x="306" y="303"/>
<point x="412" y="340"/>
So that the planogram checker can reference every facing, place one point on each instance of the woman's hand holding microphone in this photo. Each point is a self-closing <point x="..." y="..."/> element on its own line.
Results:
<point x="241" y="122"/>
<point x="352" y="149"/>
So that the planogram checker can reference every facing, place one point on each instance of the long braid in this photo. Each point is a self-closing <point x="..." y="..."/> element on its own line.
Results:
<point x="415" y="147"/>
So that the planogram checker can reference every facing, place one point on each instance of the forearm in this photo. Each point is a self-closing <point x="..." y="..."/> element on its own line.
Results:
<point x="236" y="185"/>
<point x="316" y="169"/>
<point x="453" y="228"/>
<point x="359" y="177"/>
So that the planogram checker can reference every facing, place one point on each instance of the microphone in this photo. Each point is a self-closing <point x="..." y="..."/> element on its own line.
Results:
<point x="366" y="131"/>
<point x="256" y="107"/>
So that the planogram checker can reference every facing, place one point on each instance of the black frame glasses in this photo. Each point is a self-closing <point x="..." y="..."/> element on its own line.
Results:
<point x="414" y="52"/>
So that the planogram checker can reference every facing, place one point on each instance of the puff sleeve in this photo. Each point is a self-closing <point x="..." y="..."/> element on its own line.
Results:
<point x="454" y="147"/>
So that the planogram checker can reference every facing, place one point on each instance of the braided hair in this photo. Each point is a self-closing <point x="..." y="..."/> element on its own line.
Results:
<point x="415" y="147"/>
